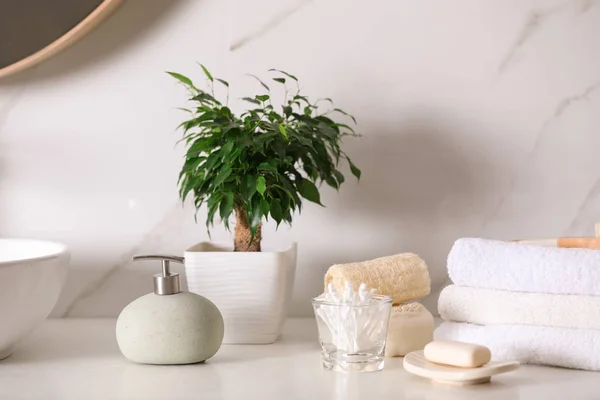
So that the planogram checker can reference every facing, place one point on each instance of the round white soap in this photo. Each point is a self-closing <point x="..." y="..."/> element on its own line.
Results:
<point x="457" y="354"/>
<point x="410" y="329"/>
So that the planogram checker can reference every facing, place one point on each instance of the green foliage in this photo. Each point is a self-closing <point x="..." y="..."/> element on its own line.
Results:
<point x="267" y="160"/>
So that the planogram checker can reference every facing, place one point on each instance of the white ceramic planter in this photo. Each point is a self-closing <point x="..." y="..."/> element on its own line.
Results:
<point x="252" y="290"/>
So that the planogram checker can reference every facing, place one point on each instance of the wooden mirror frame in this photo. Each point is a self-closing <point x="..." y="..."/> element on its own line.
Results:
<point x="101" y="12"/>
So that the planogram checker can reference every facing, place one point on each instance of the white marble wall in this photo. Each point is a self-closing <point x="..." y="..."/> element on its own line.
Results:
<point x="480" y="118"/>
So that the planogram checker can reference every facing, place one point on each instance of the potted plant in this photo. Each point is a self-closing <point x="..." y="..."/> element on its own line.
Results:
<point x="261" y="164"/>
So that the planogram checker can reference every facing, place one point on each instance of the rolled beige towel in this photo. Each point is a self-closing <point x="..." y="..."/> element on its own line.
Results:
<point x="410" y="329"/>
<point x="403" y="277"/>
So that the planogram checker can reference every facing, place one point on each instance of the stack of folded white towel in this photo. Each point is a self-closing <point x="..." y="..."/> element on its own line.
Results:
<point x="534" y="304"/>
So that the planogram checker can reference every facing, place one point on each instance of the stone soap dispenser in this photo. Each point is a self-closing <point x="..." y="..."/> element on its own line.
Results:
<point x="169" y="326"/>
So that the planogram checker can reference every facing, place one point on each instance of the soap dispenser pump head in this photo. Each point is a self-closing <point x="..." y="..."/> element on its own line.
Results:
<point x="165" y="283"/>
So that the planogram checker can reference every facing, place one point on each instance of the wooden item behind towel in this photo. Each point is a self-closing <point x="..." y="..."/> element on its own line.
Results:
<point x="586" y="243"/>
<point x="569" y="242"/>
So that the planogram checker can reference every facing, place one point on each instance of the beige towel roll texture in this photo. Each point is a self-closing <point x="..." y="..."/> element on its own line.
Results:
<point x="403" y="276"/>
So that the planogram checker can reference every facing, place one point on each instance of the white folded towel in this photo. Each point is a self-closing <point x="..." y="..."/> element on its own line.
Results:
<point x="523" y="267"/>
<point x="561" y="347"/>
<point x="493" y="307"/>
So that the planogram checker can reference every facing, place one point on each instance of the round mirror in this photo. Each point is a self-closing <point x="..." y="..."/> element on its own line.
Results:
<point x="32" y="31"/>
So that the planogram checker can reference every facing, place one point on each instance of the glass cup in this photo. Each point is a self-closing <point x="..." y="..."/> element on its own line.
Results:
<point x="353" y="336"/>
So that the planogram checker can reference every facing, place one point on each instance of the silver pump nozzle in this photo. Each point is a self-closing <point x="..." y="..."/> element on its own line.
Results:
<point x="165" y="283"/>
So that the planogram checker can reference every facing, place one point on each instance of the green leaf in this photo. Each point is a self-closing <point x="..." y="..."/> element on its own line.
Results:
<point x="274" y="117"/>
<point x="266" y="166"/>
<point x="283" y="131"/>
<point x="205" y="98"/>
<point x="279" y="147"/>
<point x="332" y="182"/>
<point x="198" y="203"/>
<point x="261" y="185"/>
<point x="199" y="146"/>
<point x="345" y="126"/>
<point x="263" y="97"/>
<point x="291" y="191"/>
<point x="225" y="83"/>
<point x="208" y="75"/>
<point x="345" y="113"/>
<point x="338" y="175"/>
<point x="261" y="82"/>
<point x="226" y="207"/>
<point x="226" y="149"/>
<point x="285" y="73"/>
<point x="212" y="161"/>
<point x="255" y="216"/>
<point x="354" y="169"/>
<point x="280" y="80"/>
<point x="276" y="212"/>
<point x="264" y="206"/>
<point x="309" y="191"/>
<point x="230" y="126"/>
<point x="249" y="186"/>
<point x="303" y="98"/>
<point x="221" y="176"/>
<point x="251" y="100"/>
<point x="190" y="165"/>
<point x="213" y="206"/>
<point x="187" y="185"/>
<point x="183" y="79"/>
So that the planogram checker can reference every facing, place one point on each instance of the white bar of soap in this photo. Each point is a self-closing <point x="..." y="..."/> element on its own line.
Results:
<point x="457" y="354"/>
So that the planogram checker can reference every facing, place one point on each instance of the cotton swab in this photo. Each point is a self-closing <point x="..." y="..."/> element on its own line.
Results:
<point x="354" y="318"/>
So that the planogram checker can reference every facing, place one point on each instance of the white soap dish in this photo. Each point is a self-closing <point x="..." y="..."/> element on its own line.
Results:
<point x="416" y="363"/>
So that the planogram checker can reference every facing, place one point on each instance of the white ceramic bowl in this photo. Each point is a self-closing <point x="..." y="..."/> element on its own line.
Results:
<point x="32" y="274"/>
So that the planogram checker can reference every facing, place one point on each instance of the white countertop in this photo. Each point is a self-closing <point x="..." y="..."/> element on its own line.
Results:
<point x="79" y="359"/>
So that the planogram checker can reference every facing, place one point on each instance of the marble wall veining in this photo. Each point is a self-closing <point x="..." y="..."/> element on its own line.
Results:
<point x="479" y="119"/>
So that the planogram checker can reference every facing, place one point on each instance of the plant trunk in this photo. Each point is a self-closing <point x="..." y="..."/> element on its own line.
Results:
<point x="242" y="233"/>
